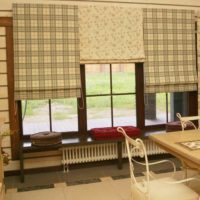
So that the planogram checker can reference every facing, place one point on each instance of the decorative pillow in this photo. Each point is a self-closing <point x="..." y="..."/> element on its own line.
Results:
<point x="46" y="138"/>
<point x="107" y="133"/>
<point x="176" y="126"/>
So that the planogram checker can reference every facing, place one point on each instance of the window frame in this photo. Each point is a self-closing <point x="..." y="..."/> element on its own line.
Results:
<point x="111" y="94"/>
<point x="15" y="114"/>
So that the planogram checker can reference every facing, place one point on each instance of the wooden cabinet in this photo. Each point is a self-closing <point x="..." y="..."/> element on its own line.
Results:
<point x="2" y="186"/>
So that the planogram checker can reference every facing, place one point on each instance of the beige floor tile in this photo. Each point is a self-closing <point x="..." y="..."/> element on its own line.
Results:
<point x="107" y="189"/>
<point x="94" y="191"/>
<point x="12" y="190"/>
<point x="50" y="194"/>
<point x="105" y="178"/>
<point x="122" y="188"/>
<point x="60" y="185"/>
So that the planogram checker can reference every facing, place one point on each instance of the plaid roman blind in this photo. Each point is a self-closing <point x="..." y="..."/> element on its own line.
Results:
<point x="110" y="34"/>
<point x="46" y="51"/>
<point x="169" y="43"/>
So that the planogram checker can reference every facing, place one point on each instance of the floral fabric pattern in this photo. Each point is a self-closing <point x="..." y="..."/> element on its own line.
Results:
<point x="110" y="34"/>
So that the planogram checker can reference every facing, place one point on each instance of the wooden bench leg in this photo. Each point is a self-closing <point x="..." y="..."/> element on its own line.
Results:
<point x="119" y="154"/>
<point x="21" y="165"/>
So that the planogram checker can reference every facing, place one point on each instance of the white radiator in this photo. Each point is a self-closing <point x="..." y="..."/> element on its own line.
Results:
<point x="98" y="152"/>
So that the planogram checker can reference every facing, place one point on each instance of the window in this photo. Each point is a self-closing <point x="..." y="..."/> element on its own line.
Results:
<point x="110" y="101"/>
<point x="161" y="108"/>
<point x="110" y="95"/>
<point x="157" y="108"/>
<point x="49" y="115"/>
<point x="71" y="118"/>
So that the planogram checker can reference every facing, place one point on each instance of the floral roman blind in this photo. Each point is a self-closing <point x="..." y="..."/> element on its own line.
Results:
<point x="110" y="34"/>
<point x="46" y="51"/>
<point x="169" y="42"/>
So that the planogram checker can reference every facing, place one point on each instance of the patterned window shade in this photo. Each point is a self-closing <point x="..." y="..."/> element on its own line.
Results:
<point x="169" y="42"/>
<point x="46" y="51"/>
<point x="110" y="34"/>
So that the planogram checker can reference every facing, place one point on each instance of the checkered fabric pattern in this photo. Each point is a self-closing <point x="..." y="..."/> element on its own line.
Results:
<point x="46" y="51"/>
<point x="169" y="42"/>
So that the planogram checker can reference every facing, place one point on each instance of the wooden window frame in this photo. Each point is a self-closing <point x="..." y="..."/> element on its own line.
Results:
<point x="111" y="94"/>
<point x="15" y="108"/>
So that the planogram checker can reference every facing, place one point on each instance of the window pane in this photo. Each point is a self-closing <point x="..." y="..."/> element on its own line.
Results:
<point x="124" y="110"/>
<point x="178" y="103"/>
<point x="98" y="112"/>
<point x="35" y="116"/>
<point x="155" y="109"/>
<point x="97" y="79"/>
<point x="64" y="115"/>
<point x="123" y="78"/>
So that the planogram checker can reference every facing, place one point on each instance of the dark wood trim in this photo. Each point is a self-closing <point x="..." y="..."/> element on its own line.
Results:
<point x="156" y="127"/>
<point x="6" y="21"/>
<point x="139" y="82"/>
<point x="50" y="115"/>
<point x="193" y="103"/>
<point x="81" y="104"/>
<point x="113" y="94"/>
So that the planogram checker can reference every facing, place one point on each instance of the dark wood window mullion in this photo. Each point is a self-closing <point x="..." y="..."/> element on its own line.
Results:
<point x="111" y="96"/>
<point x="81" y="104"/>
<point x="50" y="115"/>
<point x="116" y="94"/>
<point x="140" y="113"/>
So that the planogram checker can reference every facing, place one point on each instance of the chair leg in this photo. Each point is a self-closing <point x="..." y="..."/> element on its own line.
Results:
<point x="184" y="167"/>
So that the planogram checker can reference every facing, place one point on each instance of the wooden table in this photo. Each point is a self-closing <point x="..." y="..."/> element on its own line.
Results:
<point x="171" y="143"/>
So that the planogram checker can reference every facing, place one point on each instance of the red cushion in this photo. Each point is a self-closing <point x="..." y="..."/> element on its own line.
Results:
<point x="107" y="133"/>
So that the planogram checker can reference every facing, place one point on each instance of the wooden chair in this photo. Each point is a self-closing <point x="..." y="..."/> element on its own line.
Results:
<point x="151" y="188"/>
<point x="188" y="120"/>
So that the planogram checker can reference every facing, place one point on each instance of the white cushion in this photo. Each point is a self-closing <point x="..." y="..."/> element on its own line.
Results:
<point x="160" y="190"/>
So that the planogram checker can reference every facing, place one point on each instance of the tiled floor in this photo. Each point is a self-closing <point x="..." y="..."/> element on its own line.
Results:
<point x="104" y="182"/>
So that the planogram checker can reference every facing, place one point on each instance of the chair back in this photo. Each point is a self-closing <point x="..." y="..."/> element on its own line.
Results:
<point x="133" y="146"/>
<point x="188" y="120"/>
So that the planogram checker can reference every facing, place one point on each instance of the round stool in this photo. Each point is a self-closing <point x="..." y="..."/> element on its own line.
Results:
<point x="46" y="138"/>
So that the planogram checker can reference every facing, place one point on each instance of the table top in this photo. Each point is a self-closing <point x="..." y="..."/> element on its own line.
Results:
<point x="171" y="142"/>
